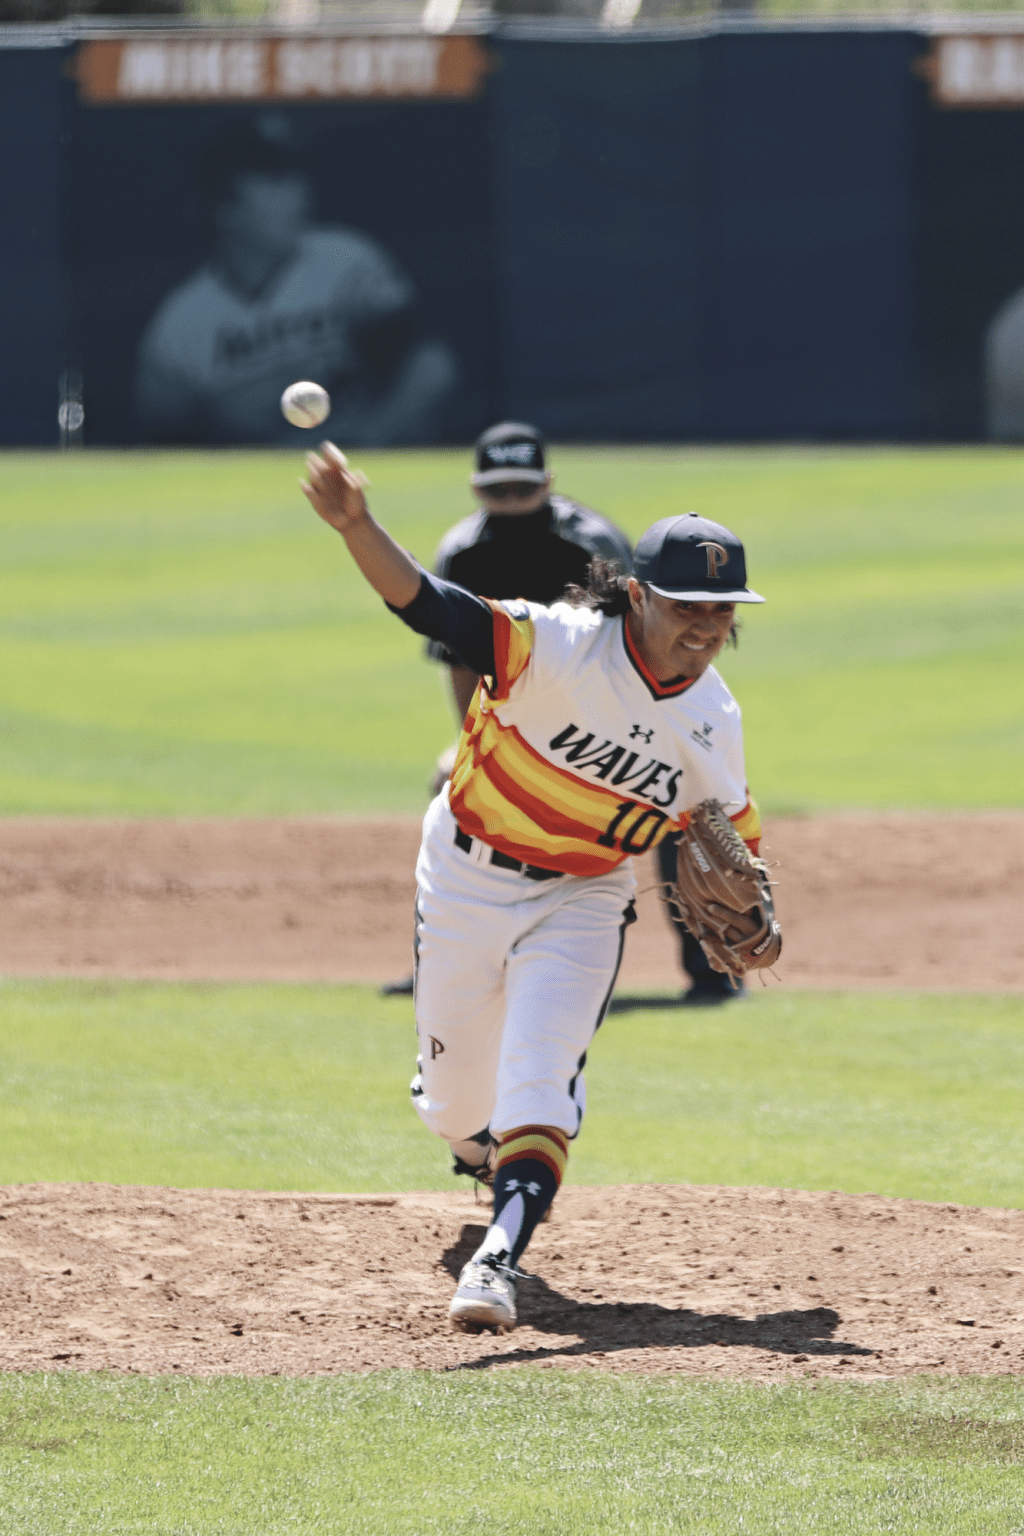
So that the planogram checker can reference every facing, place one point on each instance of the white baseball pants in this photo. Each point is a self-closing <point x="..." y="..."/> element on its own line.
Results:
<point x="513" y="977"/>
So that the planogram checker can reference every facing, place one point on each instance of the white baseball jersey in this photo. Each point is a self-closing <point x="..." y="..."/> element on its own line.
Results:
<point x="210" y="351"/>
<point x="576" y="757"/>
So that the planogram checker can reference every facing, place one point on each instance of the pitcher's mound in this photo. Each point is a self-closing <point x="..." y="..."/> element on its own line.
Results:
<point x="710" y="1281"/>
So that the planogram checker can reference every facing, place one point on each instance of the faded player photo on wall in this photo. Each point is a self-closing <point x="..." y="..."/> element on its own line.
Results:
<point x="282" y="295"/>
<point x="280" y="244"/>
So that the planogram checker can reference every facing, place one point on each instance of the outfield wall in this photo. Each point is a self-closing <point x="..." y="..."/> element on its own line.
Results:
<point x="31" y="265"/>
<point x="774" y="234"/>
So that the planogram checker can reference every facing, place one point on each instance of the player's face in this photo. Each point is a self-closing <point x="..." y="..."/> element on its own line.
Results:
<point x="268" y="210"/>
<point x="678" y="639"/>
<point x="514" y="498"/>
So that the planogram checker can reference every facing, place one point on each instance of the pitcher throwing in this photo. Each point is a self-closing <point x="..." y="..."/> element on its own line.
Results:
<point x="598" y="724"/>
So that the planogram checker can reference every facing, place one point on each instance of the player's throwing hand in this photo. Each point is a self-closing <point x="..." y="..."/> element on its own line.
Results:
<point x="336" y="494"/>
<point x="334" y="490"/>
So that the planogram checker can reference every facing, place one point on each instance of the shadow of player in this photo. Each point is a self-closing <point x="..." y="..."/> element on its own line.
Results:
<point x="631" y="1002"/>
<point x="606" y="1327"/>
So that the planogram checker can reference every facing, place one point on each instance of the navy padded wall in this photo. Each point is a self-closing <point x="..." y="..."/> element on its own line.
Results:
<point x="30" y="256"/>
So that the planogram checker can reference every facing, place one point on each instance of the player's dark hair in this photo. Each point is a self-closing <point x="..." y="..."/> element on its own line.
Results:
<point x="607" y="591"/>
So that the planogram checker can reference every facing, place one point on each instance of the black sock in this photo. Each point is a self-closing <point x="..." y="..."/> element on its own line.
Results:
<point x="523" y="1190"/>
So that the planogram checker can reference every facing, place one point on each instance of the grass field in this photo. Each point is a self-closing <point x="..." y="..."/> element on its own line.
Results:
<point x="179" y="635"/>
<point x="524" y="1453"/>
<point x="283" y="1087"/>
<point x="279" y="1086"/>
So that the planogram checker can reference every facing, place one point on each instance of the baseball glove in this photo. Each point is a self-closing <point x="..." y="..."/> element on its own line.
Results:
<point x="723" y="896"/>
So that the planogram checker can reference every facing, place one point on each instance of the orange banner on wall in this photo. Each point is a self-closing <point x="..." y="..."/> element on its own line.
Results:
<point x="168" y="68"/>
<point x="966" y="70"/>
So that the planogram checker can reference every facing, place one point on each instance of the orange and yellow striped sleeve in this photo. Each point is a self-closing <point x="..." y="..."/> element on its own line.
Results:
<point x="513" y="646"/>
<point x="748" y="824"/>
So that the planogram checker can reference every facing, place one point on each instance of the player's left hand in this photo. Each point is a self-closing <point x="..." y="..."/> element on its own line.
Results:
<point x="335" y="491"/>
<point x="723" y="895"/>
<point x="735" y="926"/>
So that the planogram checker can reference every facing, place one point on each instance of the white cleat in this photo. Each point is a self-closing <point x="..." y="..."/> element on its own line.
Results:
<point x="485" y="1298"/>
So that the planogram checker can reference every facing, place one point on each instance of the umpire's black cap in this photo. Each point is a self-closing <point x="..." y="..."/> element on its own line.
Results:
<point x="693" y="559"/>
<point x="510" y="451"/>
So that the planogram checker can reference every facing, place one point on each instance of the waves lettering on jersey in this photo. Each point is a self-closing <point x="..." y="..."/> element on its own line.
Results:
<point x="618" y="765"/>
<point x="507" y="793"/>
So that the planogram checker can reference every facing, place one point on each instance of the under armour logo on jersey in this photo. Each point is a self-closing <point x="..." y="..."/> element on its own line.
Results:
<point x="717" y="555"/>
<point x="639" y="732"/>
<point x="436" y="1048"/>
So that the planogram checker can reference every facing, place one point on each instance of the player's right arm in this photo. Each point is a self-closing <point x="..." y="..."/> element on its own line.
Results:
<point x="462" y="680"/>
<point x="428" y="605"/>
<point x="336" y="495"/>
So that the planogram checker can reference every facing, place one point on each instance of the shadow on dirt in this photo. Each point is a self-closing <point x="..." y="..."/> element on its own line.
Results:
<point x="605" y="1327"/>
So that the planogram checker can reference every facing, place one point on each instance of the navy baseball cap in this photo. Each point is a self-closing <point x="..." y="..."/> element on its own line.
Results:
<point x="510" y="451"/>
<point x="693" y="559"/>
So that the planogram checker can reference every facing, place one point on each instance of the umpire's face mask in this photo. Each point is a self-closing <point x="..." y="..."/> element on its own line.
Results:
<point x="514" y="498"/>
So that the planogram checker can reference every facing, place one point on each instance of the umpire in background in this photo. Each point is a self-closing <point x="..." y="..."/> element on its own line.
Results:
<point x="526" y="540"/>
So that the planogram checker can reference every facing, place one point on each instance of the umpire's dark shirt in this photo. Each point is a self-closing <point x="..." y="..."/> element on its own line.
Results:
<point x="535" y="555"/>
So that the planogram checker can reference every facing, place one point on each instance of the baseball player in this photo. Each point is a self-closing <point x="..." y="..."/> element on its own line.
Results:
<point x="527" y="540"/>
<point x="586" y="742"/>
<point x="523" y="539"/>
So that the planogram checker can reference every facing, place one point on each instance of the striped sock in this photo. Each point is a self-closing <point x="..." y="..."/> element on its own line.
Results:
<point x="530" y="1165"/>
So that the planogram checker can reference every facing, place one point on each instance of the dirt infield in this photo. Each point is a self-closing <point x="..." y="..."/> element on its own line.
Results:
<point x="758" y="1283"/>
<point x="865" y="900"/>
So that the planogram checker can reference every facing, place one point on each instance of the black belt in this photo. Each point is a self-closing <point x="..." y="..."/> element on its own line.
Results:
<point x="502" y="860"/>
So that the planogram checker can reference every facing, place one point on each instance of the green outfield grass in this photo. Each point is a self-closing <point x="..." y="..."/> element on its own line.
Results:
<point x="284" y="1087"/>
<point x="511" y="1453"/>
<point x="179" y="635"/>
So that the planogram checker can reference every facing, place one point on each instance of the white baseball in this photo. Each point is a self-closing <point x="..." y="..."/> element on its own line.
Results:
<point x="305" y="404"/>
